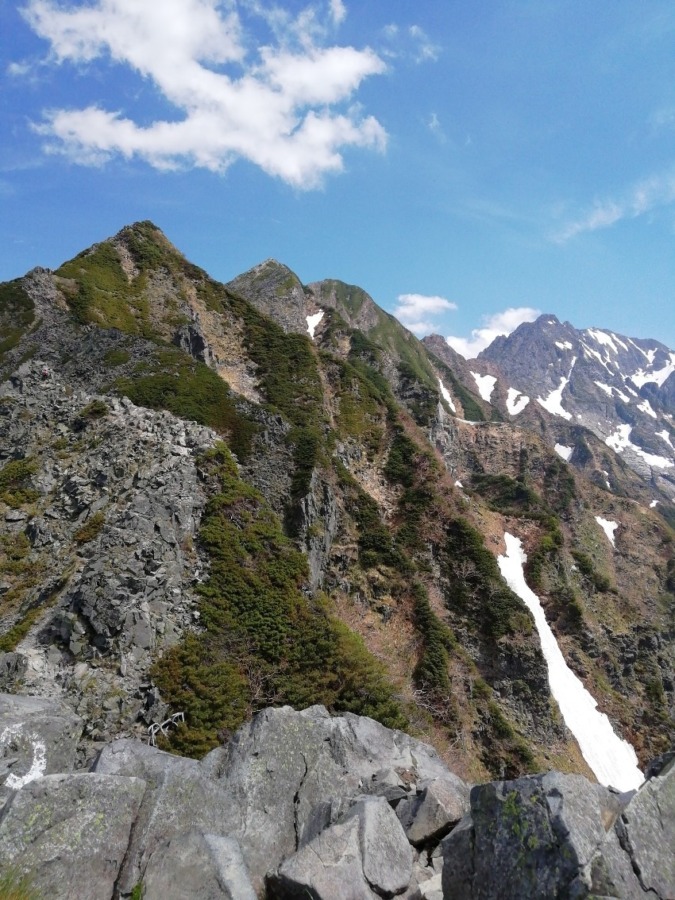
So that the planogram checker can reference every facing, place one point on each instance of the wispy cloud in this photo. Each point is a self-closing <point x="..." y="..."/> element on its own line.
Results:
<point x="435" y="127"/>
<point x="411" y="42"/>
<point x="501" y="323"/>
<point x="286" y="107"/>
<point x="417" y="311"/>
<point x="641" y="198"/>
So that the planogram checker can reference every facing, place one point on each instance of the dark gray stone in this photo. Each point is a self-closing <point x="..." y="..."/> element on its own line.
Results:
<point x="535" y="837"/>
<point x="434" y="810"/>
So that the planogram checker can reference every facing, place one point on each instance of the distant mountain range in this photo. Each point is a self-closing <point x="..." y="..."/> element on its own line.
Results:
<point x="215" y="498"/>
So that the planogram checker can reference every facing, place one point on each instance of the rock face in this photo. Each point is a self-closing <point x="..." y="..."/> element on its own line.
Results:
<point x="300" y="804"/>
<point x="119" y="502"/>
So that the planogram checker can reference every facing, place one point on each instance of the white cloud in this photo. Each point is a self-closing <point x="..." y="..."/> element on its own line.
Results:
<point x="501" y="323"/>
<point x="411" y="308"/>
<point x="641" y="198"/>
<point x="274" y="107"/>
<point x="338" y="11"/>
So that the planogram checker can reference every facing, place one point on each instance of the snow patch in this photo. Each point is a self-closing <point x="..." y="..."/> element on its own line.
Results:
<point x="516" y="402"/>
<point x="38" y="766"/>
<point x="313" y="321"/>
<point x="588" y="351"/>
<point x="620" y="440"/>
<point x="653" y="504"/>
<point x="563" y="345"/>
<point x="646" y="407"/>
<point x="604" y="387"/>
<point x="612" y="759"/>
<point x="666" y="437"/>
<point x="486" y="385"/>
<point x="659" y="377"/>
<point x="553" y="403"/>
<point x="608" y="527"/>
<point x="564" y="451"/>
<point x="445" y="393"/>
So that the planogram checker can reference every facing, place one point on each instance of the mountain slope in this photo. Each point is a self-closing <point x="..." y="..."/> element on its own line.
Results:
<point x="305" y="539"/>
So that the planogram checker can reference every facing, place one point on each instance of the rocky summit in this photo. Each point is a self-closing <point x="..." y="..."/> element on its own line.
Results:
<point x="293" y="604"/>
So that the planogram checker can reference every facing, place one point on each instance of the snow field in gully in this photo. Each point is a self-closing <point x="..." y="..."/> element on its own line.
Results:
<point x="612" y="760"/>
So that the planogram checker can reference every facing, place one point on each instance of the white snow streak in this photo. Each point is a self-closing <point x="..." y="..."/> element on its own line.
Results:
<point x="666" y="437"/>
<point x="38" y="766"/>
<point x="620" y="439"/>
<point x="608" y="527"/>
<point x="313" y="321"/>
<point x="486" y="385"/>
<point x="602" y="338"/>
<point x="612" y="759"/>
<point x="445" y="393"/>
<point x="553" y="403"/>
<point x="563" y="345"/>
<point x="564" y="451"/>
<point x="646" y="407"/>
<point x="516" y="402"/>
<point x="604" y="387"/>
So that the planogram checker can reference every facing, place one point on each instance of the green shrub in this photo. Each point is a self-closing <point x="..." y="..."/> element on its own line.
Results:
<point x="116" y="357"/>
<point x="174" y="381"/>
<point x="264" y="641"/>
<point x="15" y="477"/>
<point x="91" y="528"/>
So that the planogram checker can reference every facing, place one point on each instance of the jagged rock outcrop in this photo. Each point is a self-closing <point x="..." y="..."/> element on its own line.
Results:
<point x="112" y="526"/>
<point x="300" y="804"/>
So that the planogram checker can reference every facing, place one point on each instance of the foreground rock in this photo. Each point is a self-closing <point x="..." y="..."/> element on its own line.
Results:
<point x="559" y="836"/>
<point x="304" y="805"/>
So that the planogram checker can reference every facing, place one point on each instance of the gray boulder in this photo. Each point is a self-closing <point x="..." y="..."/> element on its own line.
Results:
<point x="292" y="774"/>
<point x="180" y="797"/>
<point x="70" y="833"/>
<point x="536" y="837"/>
<point x="366" y="855"/>
<point x="199" y="866"/>
<point x="38" y="736"/>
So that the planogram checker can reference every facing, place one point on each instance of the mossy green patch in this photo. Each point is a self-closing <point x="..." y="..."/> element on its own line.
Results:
<point x="174" y="381"/>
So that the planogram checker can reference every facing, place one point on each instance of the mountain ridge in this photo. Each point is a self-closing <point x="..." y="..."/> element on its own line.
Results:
<point x="342" y="457"/>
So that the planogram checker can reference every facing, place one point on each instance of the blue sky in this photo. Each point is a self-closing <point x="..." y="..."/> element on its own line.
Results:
<point x="467" y="163"/>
